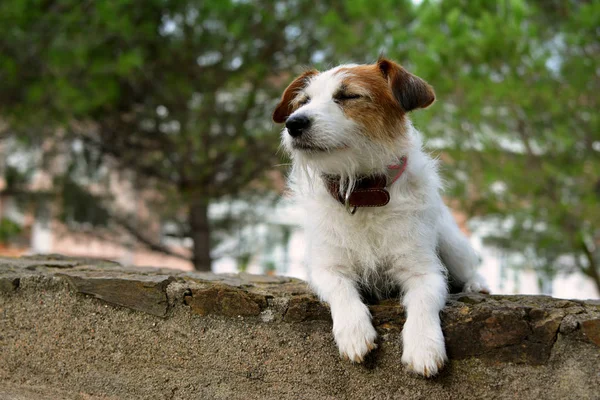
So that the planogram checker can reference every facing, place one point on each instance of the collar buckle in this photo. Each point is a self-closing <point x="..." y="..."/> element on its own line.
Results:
<point x="351" y="209"/>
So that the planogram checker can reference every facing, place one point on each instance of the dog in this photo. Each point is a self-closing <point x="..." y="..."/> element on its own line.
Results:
<point x="375" y="219"/>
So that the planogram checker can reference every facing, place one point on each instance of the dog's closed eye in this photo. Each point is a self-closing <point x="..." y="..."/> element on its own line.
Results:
<point x="345" y="96"/>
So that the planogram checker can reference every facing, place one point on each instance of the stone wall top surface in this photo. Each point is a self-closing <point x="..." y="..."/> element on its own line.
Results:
<point x="517" y="328"/>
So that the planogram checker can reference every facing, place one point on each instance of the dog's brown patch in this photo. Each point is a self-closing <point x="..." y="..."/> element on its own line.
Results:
<point x="377" y="112"/>
<point x="287" y="105"/>
<point x="390" y="92"/>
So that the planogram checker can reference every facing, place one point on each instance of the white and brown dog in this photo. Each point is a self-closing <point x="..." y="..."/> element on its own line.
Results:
<point x="375" y="218"/>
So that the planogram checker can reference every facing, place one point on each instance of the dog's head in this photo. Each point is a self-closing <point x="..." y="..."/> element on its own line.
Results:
<point x="342" y="119"/>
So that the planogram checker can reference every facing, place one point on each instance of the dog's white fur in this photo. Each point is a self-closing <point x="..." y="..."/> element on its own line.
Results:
<point x="401" y="244"/>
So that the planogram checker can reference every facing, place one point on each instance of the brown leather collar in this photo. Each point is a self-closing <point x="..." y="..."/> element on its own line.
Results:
<point x="369" y="191"/>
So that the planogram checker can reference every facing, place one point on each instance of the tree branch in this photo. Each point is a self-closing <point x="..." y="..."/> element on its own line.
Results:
<point x="127" y="162"/>
<point x="592" y="268"/>
<point x="147" y="242"/>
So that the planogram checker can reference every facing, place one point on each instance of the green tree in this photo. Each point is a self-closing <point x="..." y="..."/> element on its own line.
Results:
<point x="171" y="90"/>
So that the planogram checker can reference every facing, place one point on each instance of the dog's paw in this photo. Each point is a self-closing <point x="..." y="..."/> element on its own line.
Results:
<point x="476" y="285"/>
<point x="424" y="352"/>
<point x="355" y="338"/>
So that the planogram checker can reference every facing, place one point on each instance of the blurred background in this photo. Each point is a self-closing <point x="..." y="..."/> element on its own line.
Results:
<point x="140" y="131"/>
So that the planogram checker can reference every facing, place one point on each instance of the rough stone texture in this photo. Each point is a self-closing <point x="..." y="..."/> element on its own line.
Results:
<point x="88" y="329"/>
<point x="140" y="292"/>
<point x="224" y="300"/>
<point x="591" y="330"/>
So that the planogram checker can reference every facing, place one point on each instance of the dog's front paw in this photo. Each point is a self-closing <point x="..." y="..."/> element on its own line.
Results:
<point x="476" y="285"/>
<point x="423" y="352"/>
<point x="355" y="337"/>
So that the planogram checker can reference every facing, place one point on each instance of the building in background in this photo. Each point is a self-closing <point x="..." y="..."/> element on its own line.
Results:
<point x="39" y="231"/>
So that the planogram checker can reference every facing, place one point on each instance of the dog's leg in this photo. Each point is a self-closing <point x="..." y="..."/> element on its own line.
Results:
<point x="459" y="256"/>
<point x="424" y="351"/>
<point x="352" y="327"/>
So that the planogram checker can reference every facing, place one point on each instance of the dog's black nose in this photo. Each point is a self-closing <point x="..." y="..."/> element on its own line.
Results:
<point x="297" y="124"/>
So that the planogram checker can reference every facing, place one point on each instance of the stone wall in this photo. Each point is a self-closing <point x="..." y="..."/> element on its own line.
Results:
<point x="86" y="329"/>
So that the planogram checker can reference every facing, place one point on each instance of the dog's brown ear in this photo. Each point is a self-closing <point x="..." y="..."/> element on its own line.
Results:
<point x="411" y="91"/>
<point x="284" y="108"/>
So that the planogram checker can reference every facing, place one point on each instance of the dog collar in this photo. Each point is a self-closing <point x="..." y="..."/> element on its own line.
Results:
<point x="369" y="191"/>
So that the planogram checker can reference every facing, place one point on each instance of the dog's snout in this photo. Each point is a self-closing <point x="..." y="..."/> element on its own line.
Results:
<point x="297" y="124"/>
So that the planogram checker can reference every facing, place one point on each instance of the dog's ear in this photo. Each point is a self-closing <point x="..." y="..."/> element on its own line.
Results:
<point x="411" y="91"/>
<point x="284" y="108"/>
